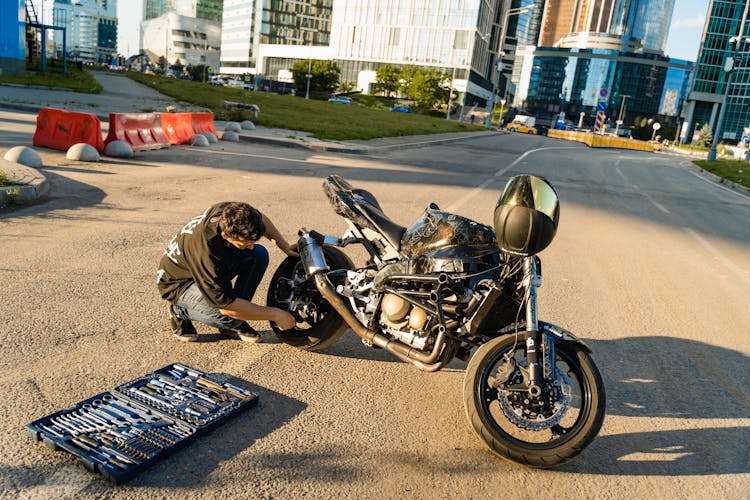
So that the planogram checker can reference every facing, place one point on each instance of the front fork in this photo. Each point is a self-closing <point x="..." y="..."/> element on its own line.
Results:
<point x="539" y="347"/>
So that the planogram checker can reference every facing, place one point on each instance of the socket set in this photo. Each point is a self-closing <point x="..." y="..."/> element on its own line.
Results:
<point x="119" y="433"/>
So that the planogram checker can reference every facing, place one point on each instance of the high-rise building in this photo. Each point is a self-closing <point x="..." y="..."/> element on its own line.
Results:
<point x="602" y="53"/>
<point x="641" y="24"/>
<point x="459" y="38"/>
<point x="725" y="20"/>
<point x="90" y="28"/>
<point x="200" y="9"/>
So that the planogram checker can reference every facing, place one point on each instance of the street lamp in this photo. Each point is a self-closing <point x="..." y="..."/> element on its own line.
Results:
<point x="728" y="68"/>
<point x="500" y="54"/>
<point x="622" y="112"/>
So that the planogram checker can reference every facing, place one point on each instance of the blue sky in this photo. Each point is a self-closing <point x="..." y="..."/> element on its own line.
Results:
<point x="683" y="42"/>
<point x="686" y="29"/>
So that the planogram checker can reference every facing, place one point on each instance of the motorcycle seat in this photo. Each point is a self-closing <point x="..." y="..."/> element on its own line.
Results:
<point x="362" y="208"/>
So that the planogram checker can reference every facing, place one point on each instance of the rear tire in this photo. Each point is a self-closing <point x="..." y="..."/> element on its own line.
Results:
<point x="318" y="324"/>
<point x="569" y="430"/>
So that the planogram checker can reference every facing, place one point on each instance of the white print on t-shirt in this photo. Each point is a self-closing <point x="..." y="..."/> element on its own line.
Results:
<point x="173" y="248"/>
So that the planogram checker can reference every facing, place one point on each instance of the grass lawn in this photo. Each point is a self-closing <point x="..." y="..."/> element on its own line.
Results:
<point x="74" y="79"/>
<point x="365" y="118"/>
<point x="733" y="170"/>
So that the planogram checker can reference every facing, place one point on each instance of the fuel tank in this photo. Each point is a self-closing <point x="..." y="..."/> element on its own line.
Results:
<point x="445" y="242"/>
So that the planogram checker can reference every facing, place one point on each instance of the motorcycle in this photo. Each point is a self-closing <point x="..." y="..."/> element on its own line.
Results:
<point x="442" y="288"/>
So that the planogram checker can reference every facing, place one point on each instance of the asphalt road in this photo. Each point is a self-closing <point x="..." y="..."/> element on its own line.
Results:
<point x="650" y="266"/>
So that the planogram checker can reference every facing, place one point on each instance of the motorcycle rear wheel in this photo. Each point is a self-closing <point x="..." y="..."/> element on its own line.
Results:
<point x="545" y="447"/>
<point x="322" y="325"/>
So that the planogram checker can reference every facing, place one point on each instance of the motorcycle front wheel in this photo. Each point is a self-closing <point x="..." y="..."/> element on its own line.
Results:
<point x="527" y="431"/>
<point x="318" y="324"/>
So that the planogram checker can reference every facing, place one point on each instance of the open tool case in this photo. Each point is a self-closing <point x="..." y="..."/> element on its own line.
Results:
<point x="119" y="433"/>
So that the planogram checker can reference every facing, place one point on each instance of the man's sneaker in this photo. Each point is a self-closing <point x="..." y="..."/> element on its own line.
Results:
<point x="244" y="332"/>
<point x="183" y="329"/>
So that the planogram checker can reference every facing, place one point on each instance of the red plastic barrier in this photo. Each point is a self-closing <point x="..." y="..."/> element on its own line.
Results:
<point x="203" y="122"/>
<point x="177" y="127"/>
<point x="60" y="129"/>
<point x="143" y="131"/>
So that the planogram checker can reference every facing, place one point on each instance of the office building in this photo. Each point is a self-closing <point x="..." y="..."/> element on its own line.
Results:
<point x="455" y="37"/>
<point x="591" y="52"/>
<point x="709" y="82"/>
<point x="200" y="9"/>
<point x="187" y="32"/>
<point x="12" y="34"/>
<point x="90" y="28"/>
<point x="176" y="39"/>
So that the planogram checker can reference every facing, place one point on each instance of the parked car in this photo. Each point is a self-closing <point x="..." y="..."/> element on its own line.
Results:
<point x="239" y="84"/>
<point x="340" y="99"/>
<point x="401" y="109"/>
<point x="521" y="128"/>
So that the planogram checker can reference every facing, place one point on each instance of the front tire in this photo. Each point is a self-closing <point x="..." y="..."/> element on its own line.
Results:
<point x="538" y="436"/>
<point x="318" y="324"/>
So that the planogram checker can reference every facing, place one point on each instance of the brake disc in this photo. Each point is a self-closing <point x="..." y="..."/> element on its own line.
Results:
<point x="518" y="408"/>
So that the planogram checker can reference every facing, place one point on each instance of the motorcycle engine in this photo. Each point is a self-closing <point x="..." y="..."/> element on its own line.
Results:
<point x="404" y="321"/>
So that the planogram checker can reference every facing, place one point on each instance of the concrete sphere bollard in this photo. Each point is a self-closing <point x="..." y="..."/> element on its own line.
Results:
<point x="25" y="156"/>
<point x="232" y="127"/>
<point x="82" y="152"/>
<point x="212" y="139"/>
<point x="230" y="136"/>
<point x="198" y="140"/>
<point x="247" y="125"/>
<point x="119" y="149"/>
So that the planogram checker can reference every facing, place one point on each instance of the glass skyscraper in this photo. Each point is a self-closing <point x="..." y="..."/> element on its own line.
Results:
<point x="709" y="81"/>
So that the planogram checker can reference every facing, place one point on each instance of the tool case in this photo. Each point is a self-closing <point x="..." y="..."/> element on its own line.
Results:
<point x="121" y="432"/>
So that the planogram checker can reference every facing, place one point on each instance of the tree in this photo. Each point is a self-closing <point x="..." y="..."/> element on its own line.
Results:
<point x="705" y="138"/>
<point x="387" y="79"/>
<point x="346" y="86"/>
<point x="424" y="87"/>
<point x="324" y="76"/>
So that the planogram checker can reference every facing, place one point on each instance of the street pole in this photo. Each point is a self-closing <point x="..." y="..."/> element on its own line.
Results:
<point x="309" y="76"/>
<point x="450" y="91"/>
<point x="622" y="112"/>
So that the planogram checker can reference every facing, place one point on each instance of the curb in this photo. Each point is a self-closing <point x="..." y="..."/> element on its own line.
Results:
<point x="716" y="179"/>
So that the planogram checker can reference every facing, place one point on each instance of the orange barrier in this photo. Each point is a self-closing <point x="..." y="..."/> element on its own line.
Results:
<point x="203" y="122"/>
<point x="177" y="127"/>
<point x="603" y="141"/>
<point x="59" y="129"/>
<point x="143" y="131"/>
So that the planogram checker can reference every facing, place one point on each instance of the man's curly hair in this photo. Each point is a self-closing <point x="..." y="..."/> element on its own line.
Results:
<point x="240" y="221"/>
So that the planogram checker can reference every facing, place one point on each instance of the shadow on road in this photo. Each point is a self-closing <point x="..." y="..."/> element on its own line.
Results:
<point x="688" y="452"/>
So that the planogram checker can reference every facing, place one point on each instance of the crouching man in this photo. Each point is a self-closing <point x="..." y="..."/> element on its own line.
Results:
<point x="211" y="269"/>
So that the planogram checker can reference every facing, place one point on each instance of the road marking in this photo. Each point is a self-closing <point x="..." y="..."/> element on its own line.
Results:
<point x="474" y="192"/>
<point x="728" y="263"/>
<point x="645" y="195"/>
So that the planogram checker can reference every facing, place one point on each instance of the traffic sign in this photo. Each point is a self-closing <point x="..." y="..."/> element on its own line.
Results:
<point x="746" y="138"/>
<point x="603" y="92"/>
<point x="602" y="106"/>
<point x="656" y="126"/>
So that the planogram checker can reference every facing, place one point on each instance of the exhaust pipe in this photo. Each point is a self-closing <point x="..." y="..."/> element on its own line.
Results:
<point x="425" y="362"/>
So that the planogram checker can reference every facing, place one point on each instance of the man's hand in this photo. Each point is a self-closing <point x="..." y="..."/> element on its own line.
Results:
<point x="285" y="321"/>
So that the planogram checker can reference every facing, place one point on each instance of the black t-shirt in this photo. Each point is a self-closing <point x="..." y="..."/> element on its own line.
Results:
<point x="200" y="255"/>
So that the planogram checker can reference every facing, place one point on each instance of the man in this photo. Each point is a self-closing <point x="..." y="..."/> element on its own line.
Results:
<point x="196" y="272"/>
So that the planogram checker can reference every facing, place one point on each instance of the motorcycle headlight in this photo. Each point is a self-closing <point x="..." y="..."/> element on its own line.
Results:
<point x="526" y="215"/>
